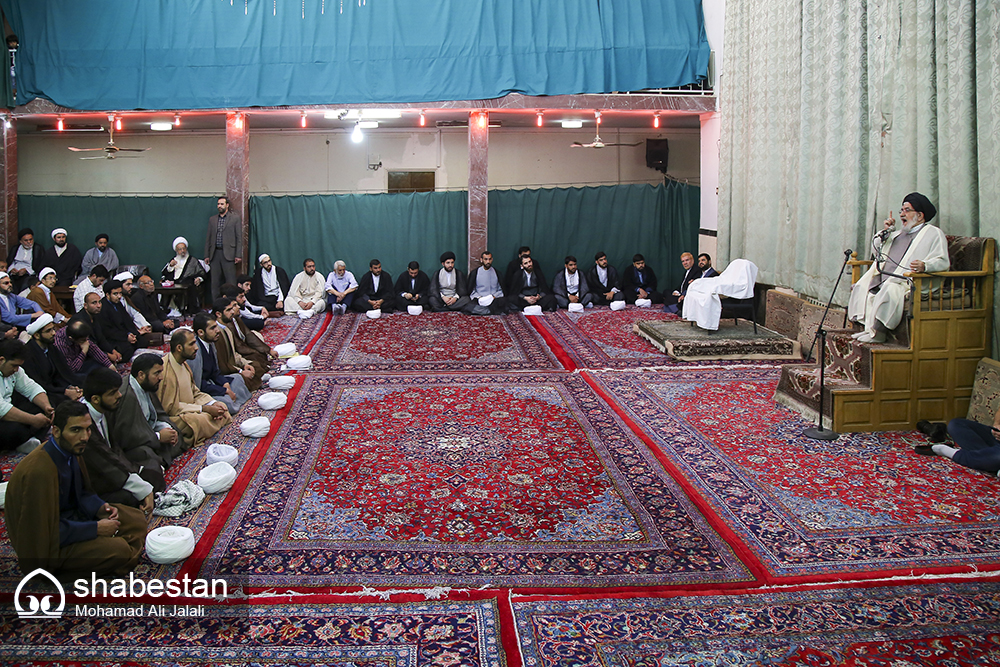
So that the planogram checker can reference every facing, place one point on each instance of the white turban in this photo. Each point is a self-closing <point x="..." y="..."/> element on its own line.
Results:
<point x="306" y="314"/>
<point x="123" y="276"/>
<point x="38" y="324"/>
<point x="272" y="400"/>
<point x="3" y="494"/>
<point x="485" y="301"/>
<point x="302" y="362"/>
<point x="286" y="350"/>
<point x="179" y="239"/>
<point x="532" y="310"/>
<point x="374" y="314"/>
<point x="58" y="230"/>
<point x="281" y="382"/>
<point x="643" y="303"/>
<point x="617" y="305"/>
<point x="44" y="272"/>
<point x="217" y="477"/>
<point x="263" y="256"/>
<point x="169" y="544"/>
<point x="256" y="427"/>
<point x="576" y="307"/>
<point x="3" y="274"/>
<point x="217" y="452"/>
<point x="414" y="310"/>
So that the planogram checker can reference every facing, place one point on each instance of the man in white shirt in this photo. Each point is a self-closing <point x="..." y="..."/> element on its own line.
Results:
<point x="308" y="290"/>
<point x="20" y="428"/>
<point x="340" y="287"/>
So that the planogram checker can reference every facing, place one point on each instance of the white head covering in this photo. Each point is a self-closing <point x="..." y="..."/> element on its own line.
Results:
<point x="617" y="305"/>
<point x="255" y="427"/>
<point x="643" y="303"/>
<point x="414" y="310"/>
<point x="263" y="256"/>
<point x="272" y="400"/>
<point x="58" y="230"/>
<point x="303" y="362"/>
<point x="44" y="272"/>
<point x="218" y="452"/>
<point x="38" y="324"/>
<point x="169" y="544"/>
<point x="281" y="382"/>
<point x="576" y="307"/>
<point x="123" y="276"/>
<point x="3" y="274"/>
<point x="286" y="350"/>
<point x="532" y="310"/>
<point x="217" y="477"/>
<point x="179" y="239"/>
<point x="485" y="301"/>
<point x="374" y="314"/>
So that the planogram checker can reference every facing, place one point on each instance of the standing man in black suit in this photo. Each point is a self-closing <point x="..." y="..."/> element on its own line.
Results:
<point x="224" y="245"/>
<point x="602" y="279"/>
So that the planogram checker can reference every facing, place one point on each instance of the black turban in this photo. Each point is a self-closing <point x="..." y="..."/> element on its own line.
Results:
<point x="24" y="232"/>
<point x="921" y="204"/>
<point x="448" y="255"/>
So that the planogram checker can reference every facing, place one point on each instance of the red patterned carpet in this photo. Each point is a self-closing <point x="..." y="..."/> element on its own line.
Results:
<point x="603" y="338"/>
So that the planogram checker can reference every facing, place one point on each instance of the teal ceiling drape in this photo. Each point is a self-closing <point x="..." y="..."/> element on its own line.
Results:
<point x="142" y="54"/>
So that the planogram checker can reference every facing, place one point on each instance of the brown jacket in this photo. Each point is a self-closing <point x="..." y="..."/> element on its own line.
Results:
<point x="231" y="361"/>
<point x="50" y="304"/>
<point x="183" y="401"/>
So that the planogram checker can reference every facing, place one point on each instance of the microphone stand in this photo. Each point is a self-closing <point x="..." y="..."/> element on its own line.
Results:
<point x="818" y="432"/>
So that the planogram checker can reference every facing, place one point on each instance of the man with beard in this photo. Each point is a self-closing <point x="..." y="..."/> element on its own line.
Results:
<point x="90" y="316"/>
<point x="196" y="415"/>
<point x="374" y="290"/>
<point x="340" y="287"/>
<point x="411" y="287"/>
<point x="92" y="284"/>
<point x="269" y="285"/>
<point x="674" y="302"/>
<point x="45" y="364"/>
<point x="705" y="264"/>
<point x="112" y="475"/>
<point x="184" y="270"/>
<point x="528" y="288"/>
<point x="25" y="259"/>
<point x="117" y="324"/>
<point x="224" y="245"/>
<point x="514" y="266"/>
<point x="55" y="520"/>
<point x="63" y="257"/>
<point x="140" y="421"/>
<point x="639" y="282"/>
<point x="877" y="299"/>
<point x="569" y="286"/>
<point x="230" y="389"/>
<point x="253" y="367"/>
<point x="43" y="296"/>
<point x="603" y="281"/>
<point x="484" y="282"/>
<point x="308" y="290"/>
<point x="99" y="255"/>
<point x="128" y="289"/>
<point x="147" y="303"/>
<point x="449" y="289"/>
<point x="10" y="302"/>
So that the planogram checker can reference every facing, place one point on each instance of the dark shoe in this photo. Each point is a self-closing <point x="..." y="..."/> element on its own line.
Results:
<point x="935" y="431"/>
<point x="924" y="450"/>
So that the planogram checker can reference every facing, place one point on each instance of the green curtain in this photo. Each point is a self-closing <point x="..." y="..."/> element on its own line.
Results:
<point x="660" y="222"/>
<point x="141" y="229"/>
<point x="394" y="228"/>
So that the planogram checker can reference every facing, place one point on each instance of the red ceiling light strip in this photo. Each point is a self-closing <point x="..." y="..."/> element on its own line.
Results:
<point x="656" y="120"/>
<point x="302" y="120"/>
<point x="60" y="125"/>
<point x="538" y="120"/>
<point x="423" y="119"/>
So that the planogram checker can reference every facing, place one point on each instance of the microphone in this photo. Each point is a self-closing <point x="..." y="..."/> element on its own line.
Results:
<point x="884" y="234"/>
<point x="847" y="253"/>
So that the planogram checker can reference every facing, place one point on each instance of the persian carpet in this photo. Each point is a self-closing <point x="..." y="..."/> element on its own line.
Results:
<point x="861" y="506"/>
<point x="943" y="624"/>
<point x="431" y="342"/>
<point x="382" y="634"/>
<point x="525" y="480"/>
<point x="732" y="341"/>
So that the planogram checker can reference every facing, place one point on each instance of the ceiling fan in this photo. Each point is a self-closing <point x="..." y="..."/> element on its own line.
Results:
<point x="598" y="142"/>
<point x="111" y="151"/>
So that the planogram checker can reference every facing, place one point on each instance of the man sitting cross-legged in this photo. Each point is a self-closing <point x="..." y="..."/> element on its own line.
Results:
<point x="25" y="426"/>
<point x="411" y="287"/>
<point x="449" y="289"/>
<point x="484" y="282"/>
<point x="140" y="420"/>
<point x="54" y="519"/>
<point x="230" y="389"/>
<point x="374" y="290"/>
<point x="569" y="286"/>
<point x="602" y="279"/>
<point x="196" y="415"/>
<point x="45" y="364"/>
<point x="308" y="290"/>
<point x="251" y="368"/>
<point x="527" y="287"/>
<point x="147" y="302"/>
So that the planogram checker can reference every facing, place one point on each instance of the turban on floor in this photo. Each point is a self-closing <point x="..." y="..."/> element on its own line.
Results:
<point x="921" y="204"/>
<point x="532" y="310"/>
<point x="576" y="307"/>
<point x="302" y="362"/>
<point x="3" y="494"/>
<point x="617" y="305"/>
<point x="281" y="382"/>
<point x="44" y="272"/>
<point x="272" y="400"/>
<point x="58" y="230"/>
<point x="414" y="310"/>
<point x="446" y="256"/>
<point x="219" y="452"/>
<point x="217" y="477"/>
<point x="38" y="324"/>
<point x="169" y="544"/>
<point x="179" y="239"/>
<point x="256" y="427"/>
<point x="285" y="349"/>
<point x="643" y="303"/>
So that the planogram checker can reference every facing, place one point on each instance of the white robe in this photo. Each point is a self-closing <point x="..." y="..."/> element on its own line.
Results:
<point x="886" y="306"/>
<point x="702" y="304"/>
<point x="306" y="288"/>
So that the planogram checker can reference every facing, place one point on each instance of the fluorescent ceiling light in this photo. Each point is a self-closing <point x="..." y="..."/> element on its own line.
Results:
<point x="356" y="135"/>
<point x="368" y="124"/>
<point x="373" y="114"/>
<point x="161" y="126"/>
<point x="572" y="124"/>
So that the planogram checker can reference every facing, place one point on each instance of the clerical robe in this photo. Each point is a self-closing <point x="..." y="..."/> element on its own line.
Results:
<point x="183" y="401"/>
<point x="49" y="303"/>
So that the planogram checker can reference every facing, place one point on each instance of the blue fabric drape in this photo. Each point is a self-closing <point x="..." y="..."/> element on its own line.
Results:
<point x="132" y="54"/>
<point x="393" y="228"/>
<point x="140" y="229"/>
<point x="660" y="222"/>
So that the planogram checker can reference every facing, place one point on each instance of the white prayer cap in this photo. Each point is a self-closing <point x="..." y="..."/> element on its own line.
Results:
<point x="256" y="427"/>
<point x="263" y="256"/>
<point x="576" y="307"/>
<point x="59" y="230"/>
<point x="217" y="452"/>
<point x="532" y="310"/>
<point x="302" y="362"/>
<point x="44" y="272"/>
<point x="123" y="276"/>
<point x="285" y="350"/>
<point x="3" y="274"/>
<point x="217" y="477"/>
<point x="643" y="303"/>
<point x="374" y="314"/>
<point x="485" y="301"/>
<point x="272" y="400"/>
<point x="617" y="305"/>
<point x="305" y="314"/>
<point x="414" y="310"/>
<point x="38" y="324"/>
<point x="3" y="494"/>
<point x="179" y="239"/>
<point x="281" y="382"/>
<point x="169" y="544"/>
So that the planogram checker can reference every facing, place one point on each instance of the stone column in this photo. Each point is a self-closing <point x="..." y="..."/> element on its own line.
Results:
<point x="238" y="175"/>
<point x="8" y="167"/>
<point x="479" y="139"/>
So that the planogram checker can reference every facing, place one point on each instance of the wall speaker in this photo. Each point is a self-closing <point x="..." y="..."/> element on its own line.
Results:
<point x="656" y="154"/>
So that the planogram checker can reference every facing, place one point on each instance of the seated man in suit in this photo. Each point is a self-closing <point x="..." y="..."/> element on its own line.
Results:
<point x="43" y="296"/>
<point x="140" y="423"/>
<point x="112" y="475"/>
<point x="230" y="351"/>
<point x="11" y="302"/>
<point x="270" y="285"/>
<point x="116" y="323"/>
<point x="602" y="279"/>
<point x="705" y="264"/>
<point x="484" y="282"/>
<point x="639" y="282"/>
<point x="412" y="287"/>
<point x="449" y="289"/>
<point x="147" y="302"/>
<point x="55" y="520"/>
<point x="230" y="389"/>
<point x="196" y="415"/>
<point x="374" y="290"/>
<point x="570" y="286"/>
<point x="675" y="302"/>
<point x="45" y="364"/>
<point x="528" y="288"/>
